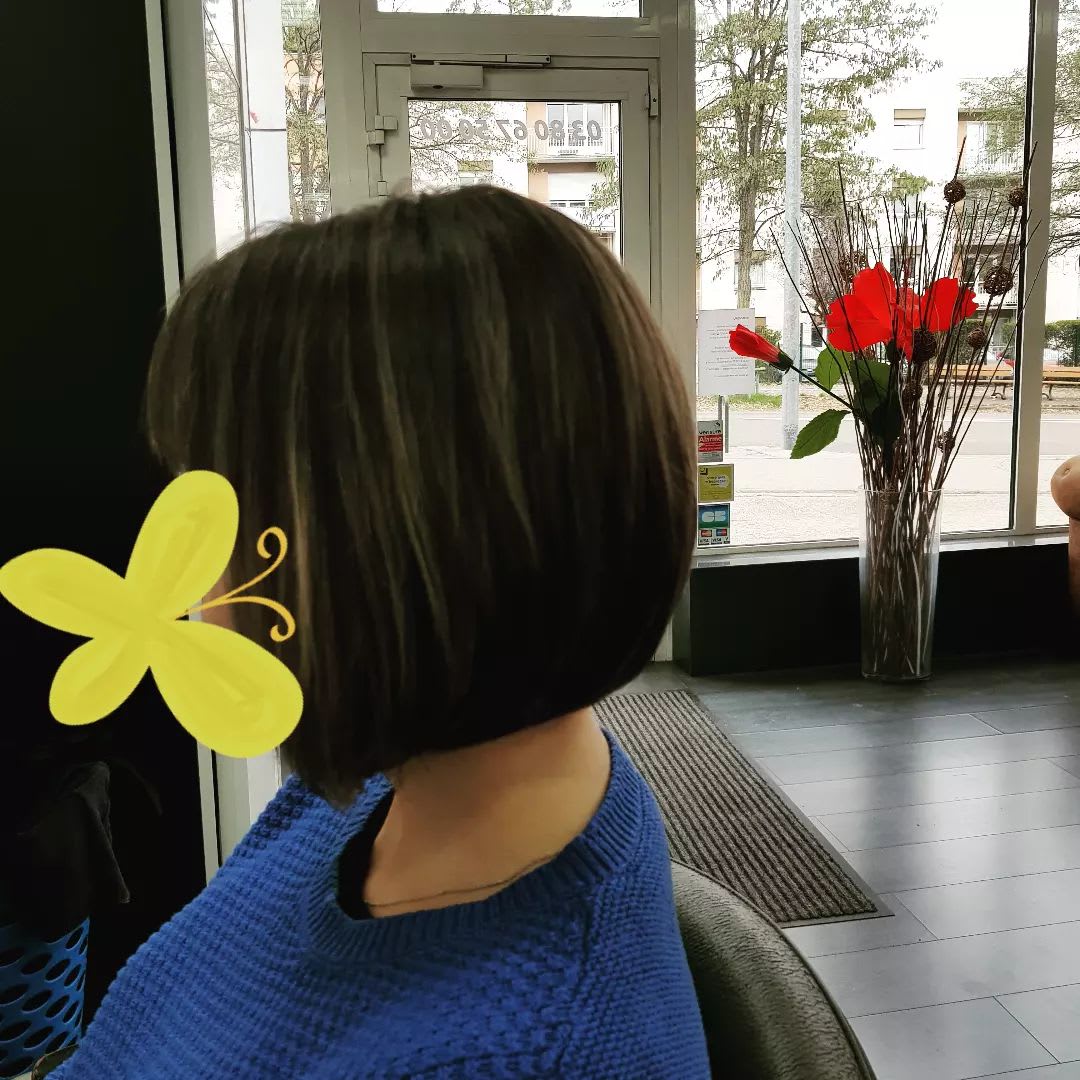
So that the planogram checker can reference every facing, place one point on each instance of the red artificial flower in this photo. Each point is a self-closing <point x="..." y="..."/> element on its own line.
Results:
<point x="872" y="313"/>
<point x="875" y="311"/>
<point x="943" y="305"/>
<point x="746" y="343"/>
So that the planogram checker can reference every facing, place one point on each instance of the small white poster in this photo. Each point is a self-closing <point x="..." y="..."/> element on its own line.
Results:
<point x="719" y="370"/>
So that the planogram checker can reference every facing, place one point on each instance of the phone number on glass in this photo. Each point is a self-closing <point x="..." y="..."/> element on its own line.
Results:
<point x="509" y="129"/>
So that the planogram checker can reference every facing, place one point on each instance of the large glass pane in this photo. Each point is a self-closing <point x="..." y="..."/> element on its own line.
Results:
<point x="267" y="110"/>
<point x="1060" y="429"/>
<point x="889" y="92"/>
<point x="305" y="111"/>
<point x="223" y="98"/>
<point x="595" y="8"/>
<point x="565" y="154"/>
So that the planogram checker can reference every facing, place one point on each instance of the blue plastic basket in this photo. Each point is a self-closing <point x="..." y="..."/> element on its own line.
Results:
<point x="41" y="993"/>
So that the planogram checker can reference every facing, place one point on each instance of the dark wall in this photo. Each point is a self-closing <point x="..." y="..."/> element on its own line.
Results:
<point x="82" y="300"/>
<point x="758" y="616"/>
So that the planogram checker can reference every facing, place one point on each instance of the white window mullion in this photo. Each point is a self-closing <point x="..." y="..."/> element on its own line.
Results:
<point x="1029" y="388"/>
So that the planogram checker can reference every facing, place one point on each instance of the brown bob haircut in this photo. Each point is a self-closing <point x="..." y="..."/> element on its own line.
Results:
<point x="463" y="415"/>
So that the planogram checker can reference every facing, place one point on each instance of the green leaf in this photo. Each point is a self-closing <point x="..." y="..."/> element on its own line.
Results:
<point x="831" y="365"/>
<point x="818" y="433"/>
<point x="885" y="424"/>
<point x="871" y="382"/>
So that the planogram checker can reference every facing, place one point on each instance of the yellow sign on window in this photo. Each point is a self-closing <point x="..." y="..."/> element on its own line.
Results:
<point x="716" y="483"/>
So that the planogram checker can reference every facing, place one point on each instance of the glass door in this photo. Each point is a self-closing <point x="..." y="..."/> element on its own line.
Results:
<point x="577" y="140"/>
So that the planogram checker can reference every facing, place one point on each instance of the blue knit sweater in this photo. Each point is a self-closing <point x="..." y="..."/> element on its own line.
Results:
<point x="574" y="971"/>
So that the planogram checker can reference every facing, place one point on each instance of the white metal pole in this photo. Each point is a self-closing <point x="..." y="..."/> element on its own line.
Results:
<point x="792" y="337"/>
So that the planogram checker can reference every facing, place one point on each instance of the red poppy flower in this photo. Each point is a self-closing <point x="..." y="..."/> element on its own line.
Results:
<point x="746" y="343"/>
<point x="873" y="312"/>
<point x="943" y="305"/>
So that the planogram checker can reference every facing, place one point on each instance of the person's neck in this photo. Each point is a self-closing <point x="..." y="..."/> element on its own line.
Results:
<point x="477" y="816"/>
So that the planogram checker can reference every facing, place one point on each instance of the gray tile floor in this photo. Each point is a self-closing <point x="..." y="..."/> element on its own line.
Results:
<point x="959" y="802"/>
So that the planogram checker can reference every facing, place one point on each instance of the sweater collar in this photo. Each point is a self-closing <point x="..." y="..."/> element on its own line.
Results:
<point x="600" y="851"/>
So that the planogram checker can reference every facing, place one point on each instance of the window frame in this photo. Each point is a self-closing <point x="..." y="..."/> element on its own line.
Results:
<point x="563" y="35"/>
<point x="905" y="123"/>
<point x="233" y="790"/>
<point x="663" y="34"/>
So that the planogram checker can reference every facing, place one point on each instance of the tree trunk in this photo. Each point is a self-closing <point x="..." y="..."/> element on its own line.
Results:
<point x="307" y="184"/>
<point x="745" y="250"/>
<point x="308" y="211"/>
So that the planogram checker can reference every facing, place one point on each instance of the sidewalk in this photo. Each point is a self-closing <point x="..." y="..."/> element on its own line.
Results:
<point x="778" y="500"/>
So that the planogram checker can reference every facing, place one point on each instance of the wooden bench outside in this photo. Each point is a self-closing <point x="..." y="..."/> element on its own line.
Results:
<point x="1000" y="377"/>
<point x="1059" y="376"/>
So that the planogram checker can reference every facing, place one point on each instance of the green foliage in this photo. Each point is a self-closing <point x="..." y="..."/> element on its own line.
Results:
<point x="869" y="382"/>
<point x="873" y="393"/>
<point x="1001" y="102"/>
<point x="758" y="401"/>
<point x="851" y="50"/>
<point x="868" y="378"/>
<point x="831" y="365"/>
<point x="767" y="374"/>
<point x="604" y="196"/>
<point x="818" y="433"/>
<point x="874" y="397"/>
<point x="1065" y="335"/>
<point x="440" y="153"/>
<point x="305" y="121"/>
<point x="903" y="185"/>
<point x="509" y="7"/>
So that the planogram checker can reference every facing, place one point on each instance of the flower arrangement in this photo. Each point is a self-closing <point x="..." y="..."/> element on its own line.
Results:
<point x="906" y="356"/>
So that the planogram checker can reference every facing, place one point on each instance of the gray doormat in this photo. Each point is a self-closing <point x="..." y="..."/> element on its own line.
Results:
<point x="722" y="817"/>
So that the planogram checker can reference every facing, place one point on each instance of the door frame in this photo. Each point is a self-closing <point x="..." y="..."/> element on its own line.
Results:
<point x="390" y="162"/>
<point x="354" y="33"/>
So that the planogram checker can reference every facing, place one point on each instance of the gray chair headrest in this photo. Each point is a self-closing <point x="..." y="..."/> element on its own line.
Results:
<point x="766" y="1015"/>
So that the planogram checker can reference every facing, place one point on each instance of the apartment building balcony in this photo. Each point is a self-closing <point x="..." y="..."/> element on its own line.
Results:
<point x="1009" y="302"/>
<point x="547" y="146"/>
<point x="991" y="162"/>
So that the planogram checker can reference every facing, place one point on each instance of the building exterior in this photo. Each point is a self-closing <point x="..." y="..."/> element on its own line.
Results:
<point x="924" y="129"/>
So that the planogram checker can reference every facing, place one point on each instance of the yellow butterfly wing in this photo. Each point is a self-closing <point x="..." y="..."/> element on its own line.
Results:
<point x="97" y="678"/>
<point x="73" y="593"/>
<point x="70" y="592"/>
<point x="229" y="693"/>
<point x="185" y="543"/>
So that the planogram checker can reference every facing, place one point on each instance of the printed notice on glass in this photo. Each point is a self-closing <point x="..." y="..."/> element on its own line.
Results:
<point x="719" y="370"/>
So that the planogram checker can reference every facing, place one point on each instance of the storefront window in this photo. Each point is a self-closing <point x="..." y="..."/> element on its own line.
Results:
<point x="889" y="95"/>
<point x="1060" y="428"/>
<point x="267" y="115"/>
<point x="224" y="107"/>
<point x="601" y="8"/>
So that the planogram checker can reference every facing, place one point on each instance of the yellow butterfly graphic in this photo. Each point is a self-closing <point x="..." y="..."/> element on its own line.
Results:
<point x="231" y="694"/>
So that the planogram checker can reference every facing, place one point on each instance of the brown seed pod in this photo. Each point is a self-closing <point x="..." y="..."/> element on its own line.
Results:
<point x="923" y="346"/>
<point x="946" y="441"/>
<point x="977" y="339"/>
<point x="998" y="281"/>
<point x="911" y="394"/>
<point x="955" y="191"/>
<point x="849" y="264"/>
<point x="1017" y="196"/>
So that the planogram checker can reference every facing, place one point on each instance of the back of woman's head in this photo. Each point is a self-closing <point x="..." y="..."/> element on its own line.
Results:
<point x="462" y="413"/>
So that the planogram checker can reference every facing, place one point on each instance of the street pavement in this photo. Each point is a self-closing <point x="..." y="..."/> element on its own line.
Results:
<point x="778" y="500"/>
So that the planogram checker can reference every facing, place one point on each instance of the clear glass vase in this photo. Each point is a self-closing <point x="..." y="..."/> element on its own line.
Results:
<point x="898" y="566"/>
